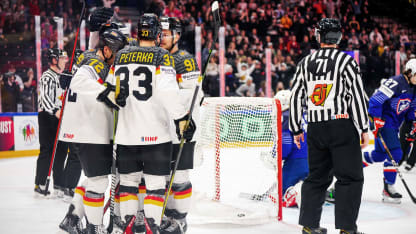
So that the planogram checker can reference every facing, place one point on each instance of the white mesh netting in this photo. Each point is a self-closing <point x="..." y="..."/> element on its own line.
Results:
<point x="236" y="176"/>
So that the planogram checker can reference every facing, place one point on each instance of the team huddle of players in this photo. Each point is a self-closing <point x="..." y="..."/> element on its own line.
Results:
<point x="155" y="91"/>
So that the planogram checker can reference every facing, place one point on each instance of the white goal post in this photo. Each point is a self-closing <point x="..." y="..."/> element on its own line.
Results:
<point x="238" y="161"/>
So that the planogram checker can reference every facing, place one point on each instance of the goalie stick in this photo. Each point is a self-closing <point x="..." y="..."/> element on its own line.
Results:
<point x="217" y="23"/>
<point x="63" y="103"/>
<point x="261" y="197"/>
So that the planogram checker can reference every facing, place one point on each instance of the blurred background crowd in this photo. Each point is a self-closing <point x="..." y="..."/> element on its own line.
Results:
<point x="376" y="28"/>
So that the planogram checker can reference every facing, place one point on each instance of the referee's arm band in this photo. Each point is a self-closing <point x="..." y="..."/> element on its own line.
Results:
<point x="365" y="130"/>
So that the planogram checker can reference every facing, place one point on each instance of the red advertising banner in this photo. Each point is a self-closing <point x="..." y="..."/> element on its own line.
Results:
<point x="6" y="133"/>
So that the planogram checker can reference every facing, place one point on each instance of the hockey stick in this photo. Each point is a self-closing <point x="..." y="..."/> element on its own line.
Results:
<point x="63" y="103"/>
<point x="260" y="197"/>
<point x="113" y="162"/>
<point x="217" y="23"/>
<point x="397" y="167"/>
<point x="107" y="204"/>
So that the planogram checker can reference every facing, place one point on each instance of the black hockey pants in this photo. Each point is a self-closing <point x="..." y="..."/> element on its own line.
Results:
<point x="333" y="149"/>
<point x="47" y="131"/>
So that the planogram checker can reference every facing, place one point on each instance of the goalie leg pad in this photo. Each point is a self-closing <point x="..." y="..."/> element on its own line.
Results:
<point x="155" y="192"/>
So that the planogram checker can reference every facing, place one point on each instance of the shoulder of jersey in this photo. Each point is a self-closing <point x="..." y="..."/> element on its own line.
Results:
<point x="182" y="55"/>
<point x="92" y="59"/>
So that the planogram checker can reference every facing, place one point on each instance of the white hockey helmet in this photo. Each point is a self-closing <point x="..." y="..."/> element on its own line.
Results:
<point x="284" y="97"/>
<point x="411" y="65"/>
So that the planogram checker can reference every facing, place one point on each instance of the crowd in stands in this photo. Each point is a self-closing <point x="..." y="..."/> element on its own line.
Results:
<point x="251" y="26"/>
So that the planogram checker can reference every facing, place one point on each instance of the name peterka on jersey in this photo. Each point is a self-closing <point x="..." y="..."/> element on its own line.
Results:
<point x="136" y="57"/>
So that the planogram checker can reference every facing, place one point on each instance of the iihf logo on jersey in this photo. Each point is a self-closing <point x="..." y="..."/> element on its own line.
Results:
<point x="402" y="105"/>
<point x="149" y="139"/>
<point x="68" y="135"/>
<point x="320" y="93"/>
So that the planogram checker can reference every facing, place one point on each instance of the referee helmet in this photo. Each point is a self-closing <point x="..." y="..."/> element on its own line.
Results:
<point x="328" y="31"/>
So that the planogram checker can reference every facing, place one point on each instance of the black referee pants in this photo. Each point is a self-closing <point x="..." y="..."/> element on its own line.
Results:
<point x="333" y="149"/>
<point x="410" y="157"/>
<point x="48" y="125"/>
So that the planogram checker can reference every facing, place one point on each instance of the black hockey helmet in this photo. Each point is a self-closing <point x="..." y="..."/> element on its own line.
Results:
<point x="112" y="38"/>
<point x="56" y="53"/>
<point x="328" y="31"/>
<point x="171" y="23"/>
<point x="148" y="27"/>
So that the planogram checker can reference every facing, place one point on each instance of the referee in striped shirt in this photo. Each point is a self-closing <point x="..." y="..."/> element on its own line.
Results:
<point x="327" y="85"/>
<point x="49" y="105"/>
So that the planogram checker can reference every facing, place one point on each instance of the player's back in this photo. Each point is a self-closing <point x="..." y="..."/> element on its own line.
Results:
<point x="149" y="76"/>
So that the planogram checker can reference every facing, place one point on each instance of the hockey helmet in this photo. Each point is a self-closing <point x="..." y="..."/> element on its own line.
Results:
<point x="56" y="53"/>
<point x="148" y="27"/>
<point x="411" y="67"/>
<point x="112" y="38"/>
<point x="284" y="97"/>
<point x="328" y="31"/>
<point x="171" y="23"/>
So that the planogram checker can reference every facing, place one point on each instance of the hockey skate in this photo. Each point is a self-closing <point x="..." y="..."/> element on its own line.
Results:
<point x="408" y="167"/>
<point x="139" y="225"/>
<point x="58" y="192"/>
<point x="68" y="195"/>
<point x="39" y="192"/>
<point x="319" y="230"/>
<point x="121" y="227"/>
<point x="95" y="229"/>
<point x="173" y="226"/>
<point x="390" y="195"/>
<point x="350" y="232"/>
<point x="71" y="223"/>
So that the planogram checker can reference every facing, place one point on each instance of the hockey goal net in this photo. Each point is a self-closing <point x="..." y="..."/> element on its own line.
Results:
<point x="237" y="175"/>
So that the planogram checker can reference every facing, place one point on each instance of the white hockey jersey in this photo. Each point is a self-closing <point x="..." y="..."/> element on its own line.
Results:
<point x="85" y="119"/>
<point x="149" y="75"/>
<point x="187" y="76"/>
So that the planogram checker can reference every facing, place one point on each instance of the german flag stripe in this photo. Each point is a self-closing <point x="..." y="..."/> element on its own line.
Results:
<point x="142" y="188"/>
<point x="179" y="78"/>
<point x="390" y="170"/>
<point x="80" y="190"/>
<point x="95" y="202"/>
<point x="158" y="70"/>
<point x="184" y="192"/>
<point x="183" y="196"/>
<point x="127" y="197"/>
<point x="117" y="198"/>
<point x="100" y="80"/>
<point x="152" y="200"/>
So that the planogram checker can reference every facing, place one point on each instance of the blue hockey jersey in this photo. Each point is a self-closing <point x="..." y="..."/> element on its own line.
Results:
<point x="393" y="101"/>
<point x="289" y="149"/>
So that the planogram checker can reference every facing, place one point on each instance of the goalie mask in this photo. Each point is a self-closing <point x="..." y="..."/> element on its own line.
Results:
<point x="148" y="27"/>
<point x="328" y="31"/>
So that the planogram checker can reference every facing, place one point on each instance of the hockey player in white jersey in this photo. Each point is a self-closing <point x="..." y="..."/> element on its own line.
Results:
<point x="87" y="123"/>
<point x="187" y="74"/>
<point x="144" y="145"/>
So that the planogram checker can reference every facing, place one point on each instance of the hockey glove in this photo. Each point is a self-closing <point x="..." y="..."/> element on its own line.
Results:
<point x="65" y="79"/>
<point x="411" y="136"/>
<point x="180" y="128"/>
<point x="122" y="96"/>
<point x="99" y="17"/>
<point x="108" y="96"/>
<point x="378" y="124"/>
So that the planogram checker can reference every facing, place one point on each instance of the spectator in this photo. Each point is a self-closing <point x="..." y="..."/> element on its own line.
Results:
<point x="28" y="94"/>
<point x="286" y="22"/>
<point x="244" y="71"/>
<point x="10" y="93"/>
<point x="375" y="36"/>
<point x="247" y="90"/>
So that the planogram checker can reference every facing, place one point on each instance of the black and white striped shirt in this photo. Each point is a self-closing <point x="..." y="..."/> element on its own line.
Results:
<point x="50" y="92"/>
<point x="328" y="84"/>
